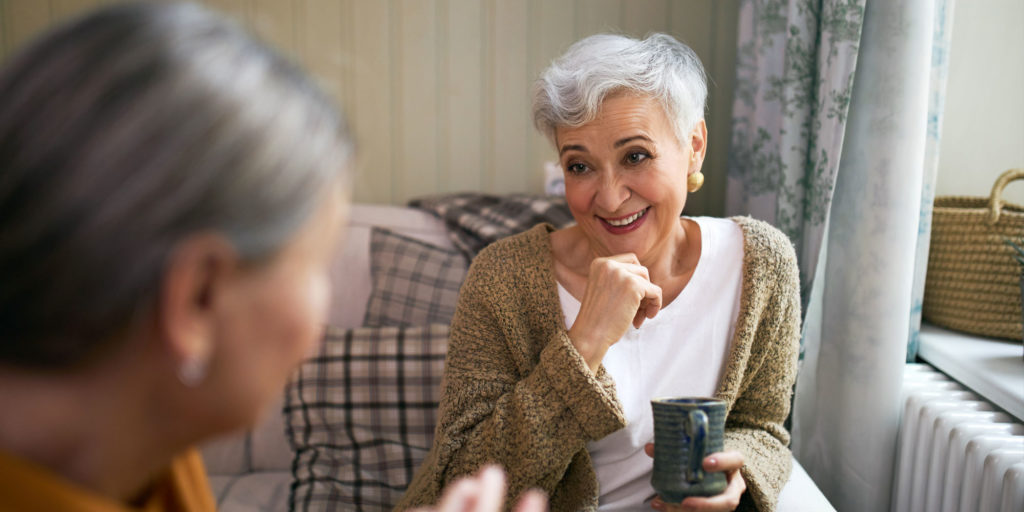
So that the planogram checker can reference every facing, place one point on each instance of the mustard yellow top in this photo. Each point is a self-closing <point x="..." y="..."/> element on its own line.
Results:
<point x="28" y="487"/>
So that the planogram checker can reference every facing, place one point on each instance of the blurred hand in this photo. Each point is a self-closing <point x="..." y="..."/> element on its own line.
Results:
<point x="485" y="492"/>
<point x="619" y="293"/>
<point x="727" y="462"/>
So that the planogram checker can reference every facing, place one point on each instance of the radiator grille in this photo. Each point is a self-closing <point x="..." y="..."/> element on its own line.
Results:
<point x="956" y="451"/>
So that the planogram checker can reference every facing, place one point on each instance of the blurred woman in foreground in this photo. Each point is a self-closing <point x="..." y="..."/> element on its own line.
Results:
<point x="171" y="191"/>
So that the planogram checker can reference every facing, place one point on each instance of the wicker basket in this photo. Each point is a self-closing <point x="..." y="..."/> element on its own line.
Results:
<point x="973" y="282"/>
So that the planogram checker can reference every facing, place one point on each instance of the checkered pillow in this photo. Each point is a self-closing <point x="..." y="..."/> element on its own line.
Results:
<point x="414" y="283"/>
<point x="360" y="416"/>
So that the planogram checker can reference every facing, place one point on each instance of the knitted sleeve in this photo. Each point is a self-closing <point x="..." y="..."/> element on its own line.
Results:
<point x="504" y="403"/>
<point x="755" y="425"/>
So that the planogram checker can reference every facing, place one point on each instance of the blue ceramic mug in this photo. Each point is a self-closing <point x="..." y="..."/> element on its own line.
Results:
<point x="686" y="430"/>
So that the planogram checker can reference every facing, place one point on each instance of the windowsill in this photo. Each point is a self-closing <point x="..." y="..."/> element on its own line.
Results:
<point x="991" y="367"/>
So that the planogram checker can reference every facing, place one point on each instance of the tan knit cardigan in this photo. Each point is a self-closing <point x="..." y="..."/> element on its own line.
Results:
<point x="517" y="393"/>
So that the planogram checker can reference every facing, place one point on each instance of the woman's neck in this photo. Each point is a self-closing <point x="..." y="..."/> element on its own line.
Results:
<point x="676" y="257"/>
<point x="87" y="427"/>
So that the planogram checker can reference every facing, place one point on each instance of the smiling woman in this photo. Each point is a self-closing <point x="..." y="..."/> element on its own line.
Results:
<point x="562" y="337"/>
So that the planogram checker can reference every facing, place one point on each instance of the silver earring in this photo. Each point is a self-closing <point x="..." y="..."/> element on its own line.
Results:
<point x="192" y="371"/>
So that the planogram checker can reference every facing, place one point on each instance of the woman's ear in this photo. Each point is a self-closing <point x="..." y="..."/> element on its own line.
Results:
<point x="199" y="269"/>
<point x="698" y="145"/>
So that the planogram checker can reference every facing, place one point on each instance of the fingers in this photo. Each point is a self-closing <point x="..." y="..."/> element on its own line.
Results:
<point x="650" y="304"/>
<point x="716" y="462"/>
<point x="728" y="462"/>
<point x="624" y="262"/>
<point x="492" y="489"/>
<point x="457" y="497"/>
<point x="532" y="501"/>
<point x="723" y="461"/>
<point x="725" y="502"/>
<point x="728" y="500"/>
<point x="483" y="492"/>
<point x="626" y="257"/>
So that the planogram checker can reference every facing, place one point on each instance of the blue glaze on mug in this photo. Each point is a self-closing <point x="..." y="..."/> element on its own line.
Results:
<point x="686" y="430"/>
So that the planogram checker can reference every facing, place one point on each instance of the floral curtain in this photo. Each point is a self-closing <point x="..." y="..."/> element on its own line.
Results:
<point x="835" y="101"/>
<point x="794" y="76"/>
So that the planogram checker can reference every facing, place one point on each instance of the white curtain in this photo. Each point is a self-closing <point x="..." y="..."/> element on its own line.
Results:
<point x="942" y="34"/>
<point x="846" y="412"/>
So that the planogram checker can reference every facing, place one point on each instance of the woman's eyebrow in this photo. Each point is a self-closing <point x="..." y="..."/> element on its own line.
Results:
<point x="618" y="144"/>
<point x="627" y="140"/>
<point x="571" y="147"/>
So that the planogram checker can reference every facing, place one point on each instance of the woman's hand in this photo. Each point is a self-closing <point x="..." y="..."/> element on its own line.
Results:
<point x="485" y="492"/>
<point x="727" y="462"/>
<point x="619" y="293"/>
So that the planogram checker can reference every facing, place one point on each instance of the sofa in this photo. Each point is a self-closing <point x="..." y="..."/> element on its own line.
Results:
<point x="357" y="418"/>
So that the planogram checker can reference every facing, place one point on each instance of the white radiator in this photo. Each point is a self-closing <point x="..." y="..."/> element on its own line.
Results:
<point x="956" y="451"/>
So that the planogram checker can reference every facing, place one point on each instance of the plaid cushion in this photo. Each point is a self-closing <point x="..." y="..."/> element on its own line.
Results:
<point x="414" y="283"/>
<point x="475" y="220"/>
<point x="360" y="416"/>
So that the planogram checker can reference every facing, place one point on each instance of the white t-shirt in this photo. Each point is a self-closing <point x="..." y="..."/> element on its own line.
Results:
<point x="680" y="352"/>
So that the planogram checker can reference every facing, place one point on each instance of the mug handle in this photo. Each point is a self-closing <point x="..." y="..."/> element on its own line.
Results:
<point x="696" y="430"/>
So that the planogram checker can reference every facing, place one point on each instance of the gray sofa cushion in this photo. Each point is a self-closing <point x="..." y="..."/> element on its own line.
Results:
<point x="414" y="283"/>
<point x="360" y="415"/>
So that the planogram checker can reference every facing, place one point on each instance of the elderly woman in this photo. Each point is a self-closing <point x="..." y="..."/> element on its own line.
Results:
<point x="562" y="337"/>
<point x="170" y="192"/>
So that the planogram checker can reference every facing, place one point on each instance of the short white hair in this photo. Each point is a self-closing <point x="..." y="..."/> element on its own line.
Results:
<point x="570" y="91"/>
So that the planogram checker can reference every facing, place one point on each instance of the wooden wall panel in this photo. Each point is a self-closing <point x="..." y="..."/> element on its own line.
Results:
<point x="462" y="96"/>
<point x="416" y="106"/>
<point x="63" y="9"/>
<point x="237" y="8"/>
<point x="3" y="29"/>
<point x="551" y="35"/>
<point x="692" y="22"/>
<point x="641" y="17"/>
<point x="24" y="20"/>
<point x="438" y="92"/>
<point x="722" y="78"/>
<point x="510" y="126"/>
<point x="371" y="113"/>
<point x="324" y="43"/>
<point x="275" y="21"/>
<point x="596" y="16"/>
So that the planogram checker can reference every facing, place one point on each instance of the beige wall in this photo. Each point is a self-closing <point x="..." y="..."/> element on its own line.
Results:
<point x="983" y="127"/>
<point x="438" y="91"/>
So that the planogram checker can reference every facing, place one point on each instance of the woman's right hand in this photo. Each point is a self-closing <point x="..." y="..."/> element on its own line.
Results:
<point x="485" y="492"/>
<point x="619" y="293"/>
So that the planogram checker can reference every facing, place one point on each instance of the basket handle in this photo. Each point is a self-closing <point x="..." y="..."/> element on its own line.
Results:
<point x="995" y="202"/>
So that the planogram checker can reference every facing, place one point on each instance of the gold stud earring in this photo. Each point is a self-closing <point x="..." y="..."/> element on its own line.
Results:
<point x="694" y="181"/>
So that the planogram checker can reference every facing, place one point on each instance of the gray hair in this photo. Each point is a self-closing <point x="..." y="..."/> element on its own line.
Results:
<point x="570" y="91"/>
<point x="122" y="133"/>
